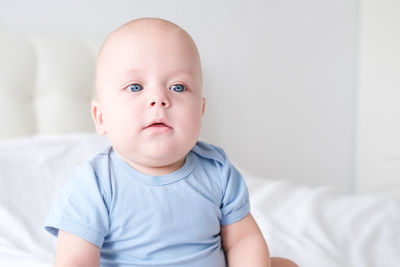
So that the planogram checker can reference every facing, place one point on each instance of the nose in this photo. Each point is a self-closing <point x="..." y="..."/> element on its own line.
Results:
<point x="162" y="103"/>
<point x="159" y="100"/>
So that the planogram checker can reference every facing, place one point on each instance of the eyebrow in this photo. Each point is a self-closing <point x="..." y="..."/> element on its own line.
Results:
<point x="125" y="76"/>
<point x="134" y="72"/>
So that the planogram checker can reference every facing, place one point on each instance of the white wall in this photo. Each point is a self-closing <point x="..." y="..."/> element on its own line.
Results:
<point x="280" y="76"/>
<point x="378" y="135"/>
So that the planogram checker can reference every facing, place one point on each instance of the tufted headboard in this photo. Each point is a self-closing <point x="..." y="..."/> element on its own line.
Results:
<point x="46" y="84"/>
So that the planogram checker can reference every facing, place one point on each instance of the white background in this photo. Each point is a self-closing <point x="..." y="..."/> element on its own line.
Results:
<point x="280" y="77"/>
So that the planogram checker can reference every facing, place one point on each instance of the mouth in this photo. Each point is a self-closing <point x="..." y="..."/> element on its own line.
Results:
<point x="158" y="127"/>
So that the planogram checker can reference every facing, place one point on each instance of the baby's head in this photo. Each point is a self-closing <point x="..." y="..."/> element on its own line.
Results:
<point x="149" y="94"/>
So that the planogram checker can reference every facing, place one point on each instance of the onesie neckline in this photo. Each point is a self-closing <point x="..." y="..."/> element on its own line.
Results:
<point x="170" y="178"/>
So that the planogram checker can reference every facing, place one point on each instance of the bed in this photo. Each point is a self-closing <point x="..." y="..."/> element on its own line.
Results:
<point x="45" y="138"/>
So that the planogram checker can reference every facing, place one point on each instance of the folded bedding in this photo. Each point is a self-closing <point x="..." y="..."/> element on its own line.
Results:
<point x="313" y="226"/>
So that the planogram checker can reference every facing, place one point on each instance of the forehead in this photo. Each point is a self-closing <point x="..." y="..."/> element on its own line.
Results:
<point x="150" y="41"/>
<point x="143" y="48"/>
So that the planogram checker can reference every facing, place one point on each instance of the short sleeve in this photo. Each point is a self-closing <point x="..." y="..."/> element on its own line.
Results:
<point x="235" y="201"/>
<point x="81" y="208"/>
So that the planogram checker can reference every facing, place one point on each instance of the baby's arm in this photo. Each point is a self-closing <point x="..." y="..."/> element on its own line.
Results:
<point x="244" y="244"/>
<point x="73" y="251"/>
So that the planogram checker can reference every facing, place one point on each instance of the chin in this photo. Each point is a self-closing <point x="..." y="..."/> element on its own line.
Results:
<point x="160" y="160"/>
<point x="167" y="155"/>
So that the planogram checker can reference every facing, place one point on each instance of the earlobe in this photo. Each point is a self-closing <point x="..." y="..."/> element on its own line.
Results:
<point x="97" y="116"/>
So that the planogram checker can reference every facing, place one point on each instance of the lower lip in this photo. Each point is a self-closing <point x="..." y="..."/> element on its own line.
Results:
<point x="158" y="129"/>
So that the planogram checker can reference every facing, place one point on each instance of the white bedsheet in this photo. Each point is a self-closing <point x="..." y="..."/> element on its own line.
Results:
<point x="313" y="226"/>
<point x="320" y="227"/>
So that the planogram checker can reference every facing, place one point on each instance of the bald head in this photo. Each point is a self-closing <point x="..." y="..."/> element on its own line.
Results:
<point x="149" y="70"/>
<point x="150" y="34"/>
<point x="143" y="26"/>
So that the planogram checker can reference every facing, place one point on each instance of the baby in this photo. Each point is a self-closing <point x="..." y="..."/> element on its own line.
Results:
<point x="158" y="196"/>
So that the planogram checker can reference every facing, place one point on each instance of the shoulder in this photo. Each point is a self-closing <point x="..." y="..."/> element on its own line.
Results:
<point x="214" y="160"/>
<point x="210" y="152"/>
<point x="99" y="162"/>
<point x="84" y="202"/>
<point x="93" y="174"/>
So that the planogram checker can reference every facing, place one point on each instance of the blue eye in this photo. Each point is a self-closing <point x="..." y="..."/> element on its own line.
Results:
<point x="178" y="88"/>
<point x="135" y="87"/>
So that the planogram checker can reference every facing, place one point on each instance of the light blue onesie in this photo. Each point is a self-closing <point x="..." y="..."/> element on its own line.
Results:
<point x="142" y="220"/>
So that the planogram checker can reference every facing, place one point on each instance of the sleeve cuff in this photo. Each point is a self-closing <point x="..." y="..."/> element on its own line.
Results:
<point x="52" y="225"/>
<point x="236" y="215"/>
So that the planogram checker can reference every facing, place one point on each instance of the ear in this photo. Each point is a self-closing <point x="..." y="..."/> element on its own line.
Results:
<point x="97" y="116"/>
<point x="203" y="106"/>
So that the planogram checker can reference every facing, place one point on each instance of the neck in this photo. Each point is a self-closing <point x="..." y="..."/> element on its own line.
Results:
<point x="156" y="170"/>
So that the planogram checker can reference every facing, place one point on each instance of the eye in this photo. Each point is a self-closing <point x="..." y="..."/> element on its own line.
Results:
<point x="178" y="88"/>
<point x="135" y="87"/>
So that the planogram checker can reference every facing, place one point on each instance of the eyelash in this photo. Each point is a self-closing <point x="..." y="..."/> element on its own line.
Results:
<point x="182" y="86"/>
<point x="137" y="87"/>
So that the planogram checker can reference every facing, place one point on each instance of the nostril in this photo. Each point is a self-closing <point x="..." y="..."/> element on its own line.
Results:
<point x="159" y="103"/>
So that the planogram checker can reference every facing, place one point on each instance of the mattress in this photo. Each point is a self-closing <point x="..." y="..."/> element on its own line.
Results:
<point x="314" y="226"/>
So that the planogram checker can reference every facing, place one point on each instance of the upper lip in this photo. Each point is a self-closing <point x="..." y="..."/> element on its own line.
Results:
<point x="158" y="121"/>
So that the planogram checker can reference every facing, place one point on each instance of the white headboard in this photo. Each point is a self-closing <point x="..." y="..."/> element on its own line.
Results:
<point x="46" y="84"/>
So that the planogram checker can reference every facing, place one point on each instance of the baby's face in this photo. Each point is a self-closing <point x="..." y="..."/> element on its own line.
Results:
<point x="150" y="101"/>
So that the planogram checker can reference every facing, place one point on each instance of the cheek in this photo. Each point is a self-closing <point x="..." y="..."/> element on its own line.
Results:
<point x="191" y="118"/>
<point x="118" y="116"/>
<point x="111" y="117"/>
